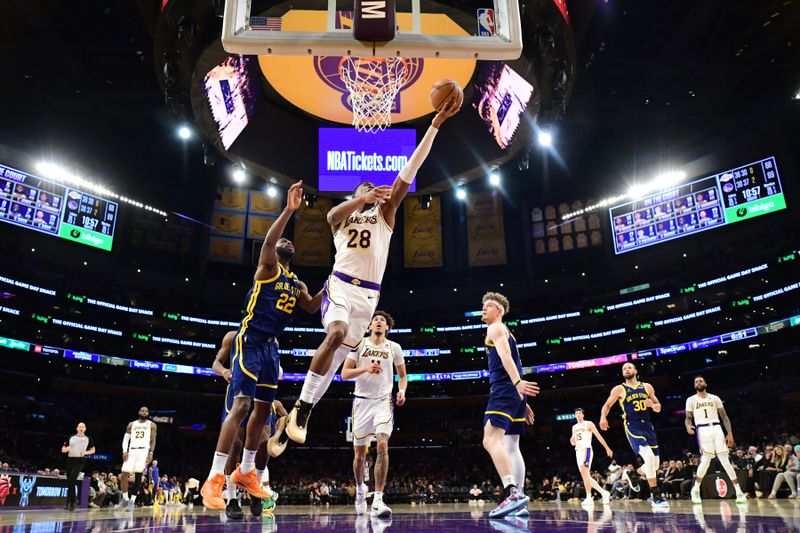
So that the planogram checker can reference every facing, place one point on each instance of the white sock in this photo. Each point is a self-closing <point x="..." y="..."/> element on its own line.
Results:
<point x="248" y="461"/>
<point x="133" y="499"/>
<point x="265" y="476"/>
<point x="507" y="480"/>
<point x="377" y="497"/>
<point x="362" y="489"/>
<point x="310" y="387"/>
<point x="230" y="488"/>
<point x="696" y="484"/>
<point x="259" y="474"/>
<point x="338" y="358"/>
<point x="218" y="464"/>
<point x="125" y="496"/>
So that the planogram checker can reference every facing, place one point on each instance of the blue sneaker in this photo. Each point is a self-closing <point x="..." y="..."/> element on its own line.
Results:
<point x="523" y="512"/>
<point x="515" y="501"/>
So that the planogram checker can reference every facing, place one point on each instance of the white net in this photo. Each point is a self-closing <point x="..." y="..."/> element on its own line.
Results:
<point x="373" y="83"/>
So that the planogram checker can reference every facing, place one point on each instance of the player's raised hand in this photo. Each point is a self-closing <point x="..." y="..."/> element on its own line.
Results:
<point x="294" y="196"/>
<point x="604" y="424"/>
<point x="527" y="388"/>
<point x="378" y="195"/>
<point x="690" y="429"/>
<point x="447" y="111"/>
<point x="529" y="418"/>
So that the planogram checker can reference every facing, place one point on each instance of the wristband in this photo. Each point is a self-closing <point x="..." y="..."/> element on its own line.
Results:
<point x="517" y="382"/>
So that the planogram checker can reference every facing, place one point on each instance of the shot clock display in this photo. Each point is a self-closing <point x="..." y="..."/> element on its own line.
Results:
<point x="49" y="207"/>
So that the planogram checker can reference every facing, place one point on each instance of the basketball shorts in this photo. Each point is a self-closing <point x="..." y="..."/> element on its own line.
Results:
<point x="584" y="457"/>
<point x="505" y="409"/>
<point x="711" y="440"/>
<point x="137" y="461"/>
<point x="372" y="417"/>
<point x="345" y="302"/>
<point x="255" y="367"/>
<point x="641" y="433"/>
<point x="229" y="405"/>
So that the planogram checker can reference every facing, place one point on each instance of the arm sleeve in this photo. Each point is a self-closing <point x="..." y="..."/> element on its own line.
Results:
<point x="125" y="441"/>
<point x="418" y="157"/>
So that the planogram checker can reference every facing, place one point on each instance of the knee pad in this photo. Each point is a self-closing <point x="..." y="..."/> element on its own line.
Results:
<point x="650" y="466"/>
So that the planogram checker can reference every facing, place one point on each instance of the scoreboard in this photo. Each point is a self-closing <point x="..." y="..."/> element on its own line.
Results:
<point x="49" y="207"/>
<point x="731" y="196"/>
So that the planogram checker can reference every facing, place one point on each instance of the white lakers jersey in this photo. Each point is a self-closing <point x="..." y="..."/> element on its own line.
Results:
<point x="583" y="435"/>
<point x="140" y="434"/>
<point x="704" y="410"/>
<point x="362" y="245"/>
<point x="387" y="354"/>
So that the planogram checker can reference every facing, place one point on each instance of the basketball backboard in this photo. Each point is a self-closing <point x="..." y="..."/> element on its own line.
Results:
<point x="479" y="29"/>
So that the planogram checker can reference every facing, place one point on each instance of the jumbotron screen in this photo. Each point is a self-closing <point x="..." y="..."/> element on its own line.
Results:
<point x="730" y="196"/>
<point x="42" y="205"/>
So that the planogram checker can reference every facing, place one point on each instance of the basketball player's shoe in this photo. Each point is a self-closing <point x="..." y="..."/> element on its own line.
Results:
<point x="361" y="503"/>
<point x="297" y="423"/>
<point x="523" y="513"/>
<point x="513" y="502"/>
<point x="380" y="509"/>
<point x="212" y="492"/>
<point x="696" y="499"/>
<point x="248" y="482"/>
<point x="277" y="443"/>
<point x="606" y="497"/>
<point x="233" y="510"/>
<point x="256" y="506"/>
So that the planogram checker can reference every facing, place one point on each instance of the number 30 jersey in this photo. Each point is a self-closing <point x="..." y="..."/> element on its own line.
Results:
<point x="270" y="304"/>
<point x="362" y="245"/>
<point x="634" y="408"/>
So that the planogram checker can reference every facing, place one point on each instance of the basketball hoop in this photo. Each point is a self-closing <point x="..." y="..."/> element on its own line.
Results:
<point x="373" y="83"/>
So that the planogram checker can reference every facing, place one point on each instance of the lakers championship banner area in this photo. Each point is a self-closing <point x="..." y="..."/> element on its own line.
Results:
<point x="225" y="223"/>
<point x="258" y="226"/>
<point x="225" y="250"/>
<point x="422" y="234"/>
<point x="486" y="240"/>
<point x="263" y="204"/>
<point x="551" y="235"/>
<point x="231" y="199"/>
<point x="312" y="234"/>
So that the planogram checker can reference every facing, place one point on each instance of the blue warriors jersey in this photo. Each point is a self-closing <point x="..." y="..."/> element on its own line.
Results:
<point x="497" y="373"/>
<point x="634" y="409"/>
<point x="270" y="303"/>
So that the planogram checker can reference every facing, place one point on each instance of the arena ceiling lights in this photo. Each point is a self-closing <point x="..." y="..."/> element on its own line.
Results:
<point x="61" y="175"/>
<point x="638" y="190"/>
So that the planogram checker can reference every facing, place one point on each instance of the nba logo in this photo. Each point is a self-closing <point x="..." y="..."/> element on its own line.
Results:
<point x="722" y="487"/>
<point x="485" y="22"/>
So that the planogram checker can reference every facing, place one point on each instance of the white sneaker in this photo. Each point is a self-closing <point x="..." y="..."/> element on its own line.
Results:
<point x="380" y="509"/>
<point x="741" y="497"/>
<point x="696" y="496"/>
<point x="588" y="501"/>
<point x="361" y="504"/>
<point x="606" y="496"/>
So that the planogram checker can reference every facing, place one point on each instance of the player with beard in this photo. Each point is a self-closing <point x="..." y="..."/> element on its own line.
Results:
<point x="255" y="366"/>
<point x="704" y="412"/>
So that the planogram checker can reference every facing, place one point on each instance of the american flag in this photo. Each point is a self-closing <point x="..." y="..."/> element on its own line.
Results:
<point x="265" y="23"/>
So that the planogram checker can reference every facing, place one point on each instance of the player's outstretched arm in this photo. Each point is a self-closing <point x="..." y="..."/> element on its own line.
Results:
<point x="616" y="394"/>
<point x="652" y="402"/>
<point x="337" y="215"/>
<point x="498" y="335"/>
<point x="406" y="176"/>
<point x="600" y="439"/>
<point x="268" y="259"/>
<point x="223" y="355"/>
<point x="309" y="304"/>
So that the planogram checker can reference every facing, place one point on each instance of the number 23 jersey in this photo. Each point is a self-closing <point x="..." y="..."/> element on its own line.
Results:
<point x="362" y="245"/>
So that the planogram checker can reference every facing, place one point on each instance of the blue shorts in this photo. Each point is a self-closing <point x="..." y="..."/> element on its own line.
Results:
<point x="254" y="367"/>
<point x="505" y="410"/>
<point x="641" y="433"/>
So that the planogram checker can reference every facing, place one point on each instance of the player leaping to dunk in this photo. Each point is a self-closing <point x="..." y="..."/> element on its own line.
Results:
<point x="362" y="229"/>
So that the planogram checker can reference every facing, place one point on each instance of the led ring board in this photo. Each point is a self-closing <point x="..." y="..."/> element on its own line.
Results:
<point x="55" y="209"/>
<point x="731" y="196"/>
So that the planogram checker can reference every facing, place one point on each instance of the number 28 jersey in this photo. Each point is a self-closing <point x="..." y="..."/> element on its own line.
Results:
<point x="362" y="245"/>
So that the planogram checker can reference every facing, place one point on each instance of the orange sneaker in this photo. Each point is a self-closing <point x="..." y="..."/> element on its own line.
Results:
<point x="249" y="482"/>
<point x="212" y="492"/>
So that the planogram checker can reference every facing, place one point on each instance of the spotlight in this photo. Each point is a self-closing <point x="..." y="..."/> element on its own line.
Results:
<point x="494" y="179"/>
<point x="184" y="132"/>
<point x="545" y="139"/>
<point x="239" y="175"/>
<point x="461" y="194"/>
<point x="272" y="192"/>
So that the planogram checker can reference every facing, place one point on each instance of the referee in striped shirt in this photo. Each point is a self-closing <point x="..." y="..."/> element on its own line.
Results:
<point x="77" y="447"/>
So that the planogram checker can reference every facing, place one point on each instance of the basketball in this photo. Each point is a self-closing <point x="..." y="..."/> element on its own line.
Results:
<point x="443" y="91"/>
